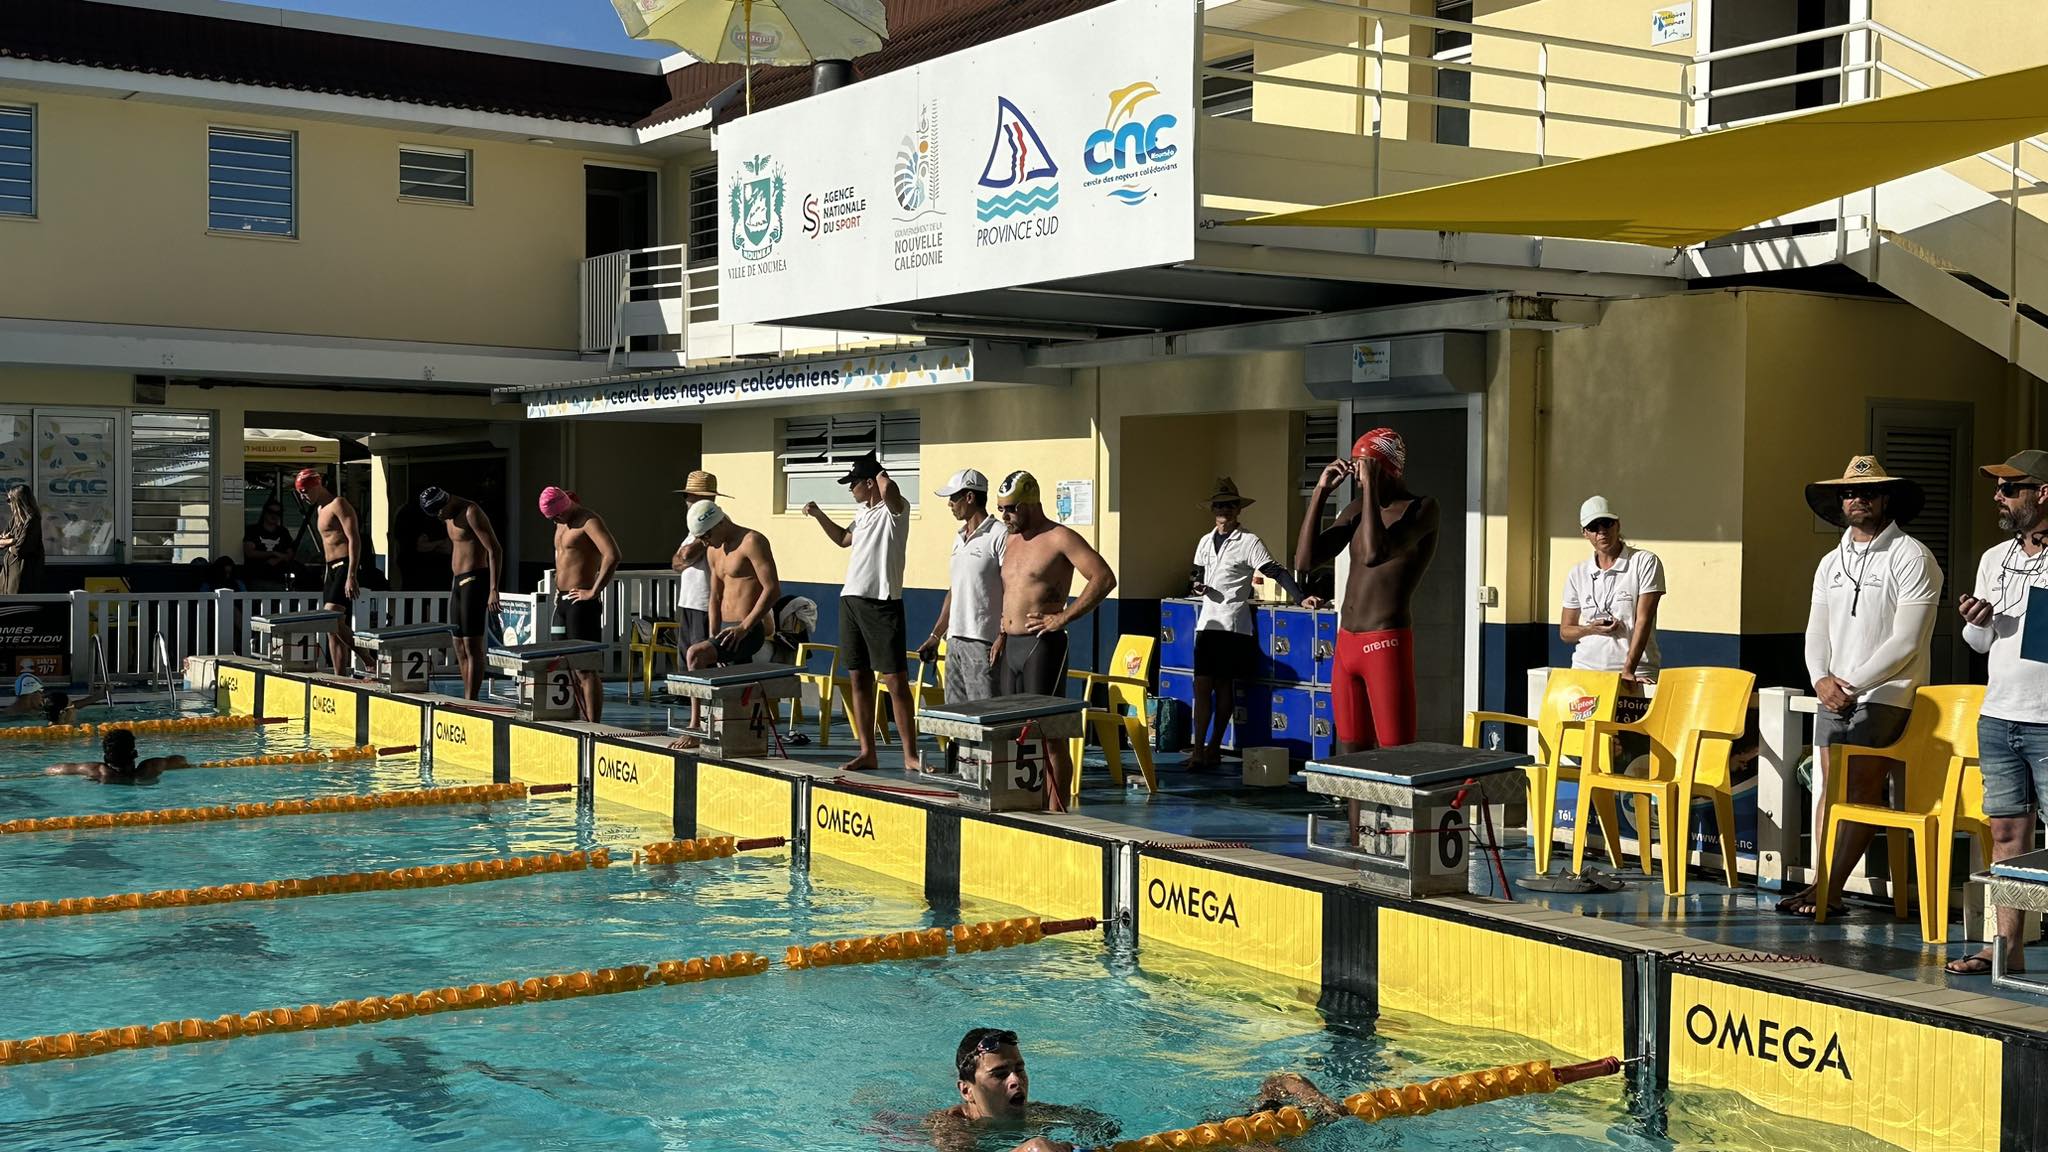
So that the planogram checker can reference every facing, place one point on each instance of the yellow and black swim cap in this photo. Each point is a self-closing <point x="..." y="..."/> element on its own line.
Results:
<point x="1019" y="487"/>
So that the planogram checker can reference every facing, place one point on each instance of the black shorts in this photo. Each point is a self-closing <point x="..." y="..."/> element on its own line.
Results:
<point x="871" y="635"/>
<point x="469" y="600"/>
<point x="1033" y="665"/>
<point x="334" y="590"/>
<point x="580" y="619"/>
<point x="742" y="648"/>
<point x="695" y="626"/>
<point x="1223" y="655"/>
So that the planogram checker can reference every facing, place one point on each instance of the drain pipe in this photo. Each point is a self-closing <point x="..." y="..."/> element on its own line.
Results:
<point x="827" y="75"/>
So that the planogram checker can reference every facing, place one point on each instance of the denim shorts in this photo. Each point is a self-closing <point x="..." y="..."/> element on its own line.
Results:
<point x="2014" y="757"/>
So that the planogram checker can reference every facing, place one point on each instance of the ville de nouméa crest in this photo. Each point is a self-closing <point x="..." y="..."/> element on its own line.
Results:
<point x="756" y="208"/>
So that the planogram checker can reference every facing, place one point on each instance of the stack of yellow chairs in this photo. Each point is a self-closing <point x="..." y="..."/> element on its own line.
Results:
<point x="1572" y="694"/>
<point x="1119" y="711"/>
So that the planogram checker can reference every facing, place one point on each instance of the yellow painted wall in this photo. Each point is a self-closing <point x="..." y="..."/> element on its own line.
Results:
<point x="624" y="470"/>
<point x="122" y="233"/>
<point x="1624" y="24"/>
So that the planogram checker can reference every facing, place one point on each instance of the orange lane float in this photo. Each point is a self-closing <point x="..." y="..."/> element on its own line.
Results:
<point x="178" y="724"/>
<point x="428" y="876"/>
<point x="297" y="806"/>
<point x="986" y="936"/>
<point x="310" y="756"/>
<point x="370" y="1010"/>
<point x="1439" y="1095"/>
<point x="703" y="848"/>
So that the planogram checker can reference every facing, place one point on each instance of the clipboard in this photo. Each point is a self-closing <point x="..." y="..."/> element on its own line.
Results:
<point x="2034" y="629"/>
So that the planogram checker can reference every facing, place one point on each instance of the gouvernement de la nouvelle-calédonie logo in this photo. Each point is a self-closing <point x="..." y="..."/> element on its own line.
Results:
<point x="756" y="207"/>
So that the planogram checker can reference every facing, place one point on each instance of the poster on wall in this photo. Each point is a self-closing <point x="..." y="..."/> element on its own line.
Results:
<point x="1001" y="171"/>
<point x="35" y="638"/>
<point x="75" y="463"/>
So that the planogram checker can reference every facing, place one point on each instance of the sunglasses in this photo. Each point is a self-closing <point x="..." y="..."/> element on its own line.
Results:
<point x="1602" y="525"/>
<point x="1855" y="493"/>
<point x="1006" y="509"/>
<point x="2012" y="488"/>
<point x="1225" y="506"/>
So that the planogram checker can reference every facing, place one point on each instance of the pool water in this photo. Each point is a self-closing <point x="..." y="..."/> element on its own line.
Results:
<point x="827" y="1060"/>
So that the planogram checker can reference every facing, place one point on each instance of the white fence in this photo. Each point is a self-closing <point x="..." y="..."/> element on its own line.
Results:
<point x="649" y="593"/>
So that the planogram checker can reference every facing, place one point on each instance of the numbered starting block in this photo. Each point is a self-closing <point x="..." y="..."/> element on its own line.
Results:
<point x="295" y="641"/>
<point x="739" y="703"/>
<point x="406" y="656"/>
<point x="546" y="674"/>
<point x="1000" y="747"/>
<point x="1406" y="827"/>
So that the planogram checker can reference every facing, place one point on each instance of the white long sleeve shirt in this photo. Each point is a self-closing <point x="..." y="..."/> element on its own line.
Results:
<point x="2007" y="576"/>
<point x="1872" y="617"/>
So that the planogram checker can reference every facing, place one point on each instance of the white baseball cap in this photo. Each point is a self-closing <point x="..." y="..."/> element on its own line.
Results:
<point x="1595" y="509"/>
<point x="965" y="480"/>
<point x="704" y="516"/>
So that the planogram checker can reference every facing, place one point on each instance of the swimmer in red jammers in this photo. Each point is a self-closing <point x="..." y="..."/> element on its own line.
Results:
<point x="1372" y="690"/>
<point x="117" y="763"/>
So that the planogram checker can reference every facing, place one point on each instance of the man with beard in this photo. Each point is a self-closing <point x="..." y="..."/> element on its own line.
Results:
<point x="1874" y="596"/>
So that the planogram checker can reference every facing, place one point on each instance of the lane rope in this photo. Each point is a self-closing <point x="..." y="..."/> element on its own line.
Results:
<point x="299" y="806"/>
<point x="57" y="732"/>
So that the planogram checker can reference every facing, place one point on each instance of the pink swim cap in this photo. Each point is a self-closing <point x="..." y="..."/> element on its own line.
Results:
<point x="1386" y="446"/>
<point x="555" y="502"/>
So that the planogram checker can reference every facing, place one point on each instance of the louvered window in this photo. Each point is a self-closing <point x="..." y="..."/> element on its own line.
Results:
<point x="252" y="182"/>
<point x="434" y="174"/>
<point x="1930" y="444"/>
<point x="170" y="474"/>
<point x="815" y="452"/>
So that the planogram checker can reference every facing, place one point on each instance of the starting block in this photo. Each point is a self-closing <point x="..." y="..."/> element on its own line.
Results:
<point x="546" y="674"/>
<point x="1406" y="829"/>
<point x="406" y="656"/>
<point x="295" y="641"/>
<point x="739" y="705"/>
<point x="1000" y="747"/>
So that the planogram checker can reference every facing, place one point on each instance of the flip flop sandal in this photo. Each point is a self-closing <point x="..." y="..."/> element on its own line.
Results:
<point x="1974" y="966"/>
<point x="1790" y="906"/>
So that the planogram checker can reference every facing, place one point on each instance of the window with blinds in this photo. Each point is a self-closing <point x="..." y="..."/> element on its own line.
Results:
<point x="436" y="174"/>
<point x="1930" y="443"/>
<point x="17" y="160"/>
<point x="171" y="486"/>
<point x="815" y="451"/>
<point x="704" y="215"/>
<point x="252" y="182"/>
<point x="1229" y="96"/>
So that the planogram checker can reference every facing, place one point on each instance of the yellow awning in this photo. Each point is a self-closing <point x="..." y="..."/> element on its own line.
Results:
<point x="1693" y="189"/>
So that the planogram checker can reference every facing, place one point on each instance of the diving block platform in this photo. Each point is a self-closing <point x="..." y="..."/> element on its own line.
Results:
<point x="406" y="656"/>
<point x="545" y="674"/>
<point x="1406" y="831"/>
<point x="738" y="706"/>
<point x="295" y="641"/>
<point x="1000" y="747"/>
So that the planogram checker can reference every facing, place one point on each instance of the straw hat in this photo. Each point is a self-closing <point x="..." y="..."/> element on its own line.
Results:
<point x="1903" y="496"/>
<point x="1226" y="490"/>
<point x="701" y="483"/>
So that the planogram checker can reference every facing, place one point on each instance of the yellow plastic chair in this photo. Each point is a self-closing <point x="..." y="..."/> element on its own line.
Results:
<point x="1571" y="694"/>
<point x="829" y="684"/>
<point x="1937" y="747"/>
<point x="1125" y="688"/>
<point x="1693" y="723"/>
<point x="927" y="687"/>
<point x="646" y="644"/>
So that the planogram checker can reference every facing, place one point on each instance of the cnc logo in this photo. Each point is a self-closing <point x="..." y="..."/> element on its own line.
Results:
<point x="755" y="204"/>
<point x="624" y="771"/>
<point x="1130" y="148"/>
<point x="858" y="825"/>
<point x="1766" y="1040"/>
<point x="1194" y="903"/>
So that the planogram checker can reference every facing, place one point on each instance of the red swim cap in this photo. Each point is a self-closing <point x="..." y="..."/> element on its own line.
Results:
<point x="1386" y="446"/>
<point x="306" y="478"/>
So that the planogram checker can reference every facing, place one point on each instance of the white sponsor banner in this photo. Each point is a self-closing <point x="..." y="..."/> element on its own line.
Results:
<point x="765" y="384"/>
<point x="1066" y="150"/>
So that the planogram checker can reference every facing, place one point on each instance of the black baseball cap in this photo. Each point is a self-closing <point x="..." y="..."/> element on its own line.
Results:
<point x="866" y="468"/>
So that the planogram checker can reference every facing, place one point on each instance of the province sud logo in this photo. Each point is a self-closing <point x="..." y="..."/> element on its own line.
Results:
<point x="1020" y="170"/>
<point x="756" y="207"/>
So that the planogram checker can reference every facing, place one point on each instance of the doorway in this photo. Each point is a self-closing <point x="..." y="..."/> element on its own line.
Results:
<point x="1443" y="462"/>
<point x="620" y="209"/>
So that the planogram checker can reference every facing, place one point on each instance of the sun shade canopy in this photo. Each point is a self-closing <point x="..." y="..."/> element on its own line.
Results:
<point x="1694" y="189"/>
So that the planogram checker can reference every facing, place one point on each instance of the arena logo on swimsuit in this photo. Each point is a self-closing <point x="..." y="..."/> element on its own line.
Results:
<point x="624" y="771"/>
<point x="1767" y="1040"/>
<point x="858" y="825"/>
<point x="1196" y="903"/>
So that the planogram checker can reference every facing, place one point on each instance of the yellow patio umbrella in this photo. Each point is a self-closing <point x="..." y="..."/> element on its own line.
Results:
<point x="759" y="31"/>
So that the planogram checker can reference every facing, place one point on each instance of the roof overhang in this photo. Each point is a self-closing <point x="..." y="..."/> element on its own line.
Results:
<point x="1692" y="190"/>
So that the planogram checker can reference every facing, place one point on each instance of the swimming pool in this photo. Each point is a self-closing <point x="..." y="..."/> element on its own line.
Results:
<point x="815" y="1060"/>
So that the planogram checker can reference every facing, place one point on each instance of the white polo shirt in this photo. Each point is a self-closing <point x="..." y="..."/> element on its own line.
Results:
<point x="1890" y="571"/>
<point x="879" y="537"/>
<point x="977" y="584"/>
<point x="1227" y="573"/>
<point x="1612" y="592"/>
<point x="2018" y="688"/>
<point x="693" y="590"/>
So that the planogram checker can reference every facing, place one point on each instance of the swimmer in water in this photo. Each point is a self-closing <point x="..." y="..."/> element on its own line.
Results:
<point x="31" y="698"/>
<point x="995" y="1096"/>
<point x="117" y="763"/>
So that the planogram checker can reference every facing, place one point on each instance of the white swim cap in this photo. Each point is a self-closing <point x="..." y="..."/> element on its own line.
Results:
<point x="27" y="684"/>
<point x="704" y="516"/>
